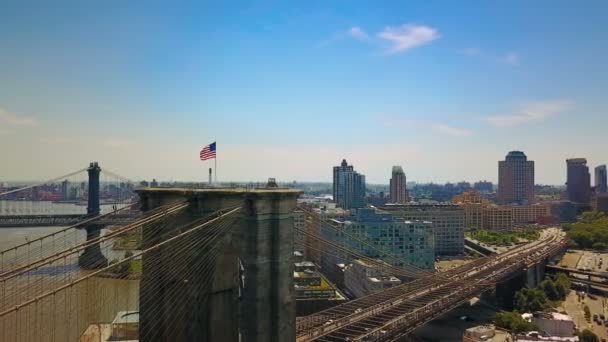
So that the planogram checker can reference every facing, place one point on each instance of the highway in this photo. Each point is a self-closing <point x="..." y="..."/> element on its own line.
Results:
<point x="393" y="312"/>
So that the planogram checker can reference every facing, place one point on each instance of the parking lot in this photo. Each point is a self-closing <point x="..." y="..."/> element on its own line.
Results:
<point x="597" y="306"/>
<point x="591" y="261"/>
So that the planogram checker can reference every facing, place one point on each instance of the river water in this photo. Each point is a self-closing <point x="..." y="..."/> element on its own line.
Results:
<point x="64" y="315"/>
<point x="46" y="207"/>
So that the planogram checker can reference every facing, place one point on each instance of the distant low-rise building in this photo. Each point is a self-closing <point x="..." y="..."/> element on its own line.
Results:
<point x="485" y="333"/>
<point x="481" y="214"/>
<point x="313" y="291"/>
<point x="552" y="323"/>
<point x="535" y="336"/>
<point x="361" y="279"/>
<point x="484" y="187"/>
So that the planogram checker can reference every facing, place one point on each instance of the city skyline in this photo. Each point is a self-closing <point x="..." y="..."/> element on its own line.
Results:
<point x="141" y="88"/>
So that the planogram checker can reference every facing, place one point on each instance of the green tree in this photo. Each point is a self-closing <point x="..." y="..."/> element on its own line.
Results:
<point x="588" y="336"/>
<point x="514" y="322"/>
<point x="591" y="231"/>
<point x="562" y="284"/>
<point x="530" y="300"/>
<point x="591" y="216"/>
<point x="550" y="290"/>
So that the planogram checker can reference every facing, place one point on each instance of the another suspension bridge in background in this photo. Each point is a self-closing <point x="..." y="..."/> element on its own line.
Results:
<point x="68" y="199"/>
<point x="215" y="264"/>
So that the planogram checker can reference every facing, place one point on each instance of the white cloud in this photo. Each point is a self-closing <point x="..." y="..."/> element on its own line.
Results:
<point x="452" y="131"/>
<point x="408" y="36"/>
<point x="531" y="112"/>
<point x="511" y="58"/>
<point x="358" y="33"/>
<point x="10" y="119"/>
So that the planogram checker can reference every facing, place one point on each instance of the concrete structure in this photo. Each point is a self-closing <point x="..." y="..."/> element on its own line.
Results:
<point x="250" y="296"/>
<point x="552" y="323"/>
<point x="348" y="187"/>
<point x="413" y="242"/>
<point x="480" y="333"/>
<point x="516" y="179"/>
<point x="579" y="181"/>
<point x="448" y="222"/>
<point x="361" y="279"/>
<point x="398" y="189"/>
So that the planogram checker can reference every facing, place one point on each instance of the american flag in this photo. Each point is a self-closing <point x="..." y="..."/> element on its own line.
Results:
<point x="208" y="152"/>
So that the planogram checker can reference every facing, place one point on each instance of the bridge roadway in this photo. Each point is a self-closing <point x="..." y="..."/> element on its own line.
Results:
<point x="393" y="313"/>
<point x="567" y="270"/>
<point x="61" y="220"/>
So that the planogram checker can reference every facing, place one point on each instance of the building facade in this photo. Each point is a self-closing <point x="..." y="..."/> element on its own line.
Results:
<point x="348" y="186"/>
<point x="601" y="180"/>
<point x="398" y="189"/>
<point x="497" y="218"/>
<point x="516" y="179"/>
<point x="529" y="214"/>
<point x="411" y="242"/>
<point x="479" y="213"/>
<point x="578" y="181"/>
<point x="448" y="222"/>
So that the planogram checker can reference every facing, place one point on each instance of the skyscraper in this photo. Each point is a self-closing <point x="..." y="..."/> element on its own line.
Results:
<point x="601" y="181"/>
<point x="579" y="181"/>
<point x="516" y="179"/>
<point x="398" y="186"/>
<point x="348" y="187"/>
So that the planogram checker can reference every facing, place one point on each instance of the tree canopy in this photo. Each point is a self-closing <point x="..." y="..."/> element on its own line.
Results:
<point x="588" y="336"/>
<point x="514" y="322"/>
<point x="591" y="230"/>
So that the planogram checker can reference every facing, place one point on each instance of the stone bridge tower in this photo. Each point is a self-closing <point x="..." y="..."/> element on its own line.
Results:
<point x="251" y="294"/>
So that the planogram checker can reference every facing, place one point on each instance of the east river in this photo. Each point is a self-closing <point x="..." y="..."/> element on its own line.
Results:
<point x="61" y="315"/>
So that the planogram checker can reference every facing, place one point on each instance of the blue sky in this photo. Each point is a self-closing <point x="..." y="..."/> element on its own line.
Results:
<point x="288" y="89"/>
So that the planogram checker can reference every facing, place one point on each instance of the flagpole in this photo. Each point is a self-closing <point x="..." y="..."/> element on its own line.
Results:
<point x="215" y="162"/>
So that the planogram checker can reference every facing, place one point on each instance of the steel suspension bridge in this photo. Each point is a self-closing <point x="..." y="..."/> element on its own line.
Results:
<point x="47" y="295"/>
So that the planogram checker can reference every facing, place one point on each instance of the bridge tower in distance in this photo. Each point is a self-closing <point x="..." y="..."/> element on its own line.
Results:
<point x="92" y="258"/>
